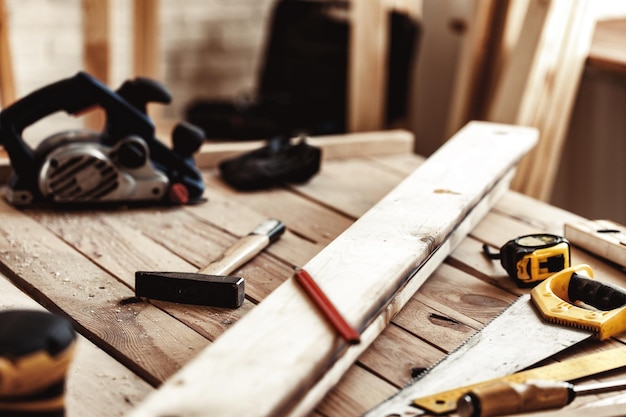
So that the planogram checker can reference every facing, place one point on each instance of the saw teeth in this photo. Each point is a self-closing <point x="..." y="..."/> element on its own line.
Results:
<point x="571" y="324"/>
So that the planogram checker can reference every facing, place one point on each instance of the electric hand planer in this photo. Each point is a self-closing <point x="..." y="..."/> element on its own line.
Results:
<point x="124" y="163"/>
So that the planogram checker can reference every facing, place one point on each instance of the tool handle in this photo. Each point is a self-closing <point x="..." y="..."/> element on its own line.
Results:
<point x="502" y="398"/>
<point x="245" y="248"/>
<point x="594" y="293"/>
<point x="238" y="254"/>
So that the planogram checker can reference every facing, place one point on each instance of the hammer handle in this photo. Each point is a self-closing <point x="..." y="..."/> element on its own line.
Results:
<point x="238" y="254"/>
<point x="245" y="248"/>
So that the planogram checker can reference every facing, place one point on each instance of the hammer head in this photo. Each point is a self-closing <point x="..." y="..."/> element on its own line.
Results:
<point x="191" y="288"/>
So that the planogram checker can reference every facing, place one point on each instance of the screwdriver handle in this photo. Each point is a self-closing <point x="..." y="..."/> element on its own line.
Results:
<point x="502" y="398"/>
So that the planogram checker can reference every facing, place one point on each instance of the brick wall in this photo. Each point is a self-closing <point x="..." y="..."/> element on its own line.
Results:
<point x="209" y="48"/>
<point x="213" y="48"/>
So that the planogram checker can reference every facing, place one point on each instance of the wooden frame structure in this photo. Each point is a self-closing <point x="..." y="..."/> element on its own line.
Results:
<point x="522" y="64"/>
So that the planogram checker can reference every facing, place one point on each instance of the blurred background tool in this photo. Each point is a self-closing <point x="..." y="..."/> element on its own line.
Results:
<point x="36" y="349"/>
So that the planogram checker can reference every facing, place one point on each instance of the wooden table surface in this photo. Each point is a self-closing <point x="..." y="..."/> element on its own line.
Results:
<point x="82" y="264"/>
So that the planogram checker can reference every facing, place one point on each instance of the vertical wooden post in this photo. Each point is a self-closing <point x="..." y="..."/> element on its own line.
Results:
<point x="96" y="49"/>
<point x="474" y="65"/>
<point x="551" y="92"/>
<point x="514" y="86"/>
<point x="368" y="55"/>
<point x="146" y="48"/>
<point x="367" y="65"/>
<point x="146" y="38"/>
<point x="7" y="82"/>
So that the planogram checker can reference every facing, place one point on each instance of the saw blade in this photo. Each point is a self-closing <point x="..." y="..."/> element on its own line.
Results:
<point x="515" y="340"/>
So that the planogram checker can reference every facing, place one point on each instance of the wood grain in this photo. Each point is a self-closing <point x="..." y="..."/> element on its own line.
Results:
<point x="287" y="330"/>
<point x="432" y="322"/>
<point x="388" y="142"/>
<point x="94" y="377"/>
<point x="62" y="279"/>
<point x="96" y="50"/>
<point x="7" y="80"/>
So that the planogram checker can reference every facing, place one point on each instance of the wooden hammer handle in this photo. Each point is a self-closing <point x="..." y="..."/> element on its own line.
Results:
<point x="245" y="248"/>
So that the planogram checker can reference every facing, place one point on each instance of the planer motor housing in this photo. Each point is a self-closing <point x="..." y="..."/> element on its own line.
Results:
<point x="123" y="163"/>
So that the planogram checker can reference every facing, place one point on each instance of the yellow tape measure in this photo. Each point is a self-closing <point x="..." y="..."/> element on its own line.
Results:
<point x="568" y="370"/>
<point x="532" y="258"/>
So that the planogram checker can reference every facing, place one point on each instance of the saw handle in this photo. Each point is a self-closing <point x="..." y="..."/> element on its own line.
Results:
<point x="594" y="293"/>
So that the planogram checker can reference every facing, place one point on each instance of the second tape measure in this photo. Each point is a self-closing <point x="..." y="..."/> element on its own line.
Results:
<point x="532" y="258"/>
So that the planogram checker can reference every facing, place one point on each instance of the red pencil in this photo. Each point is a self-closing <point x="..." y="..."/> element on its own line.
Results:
<point x="347" y="332"/>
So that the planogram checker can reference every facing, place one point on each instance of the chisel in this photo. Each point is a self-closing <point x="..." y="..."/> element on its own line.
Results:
<point x="505" y="397"/>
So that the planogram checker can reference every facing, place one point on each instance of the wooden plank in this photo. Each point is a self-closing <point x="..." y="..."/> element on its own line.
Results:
<point x="473" y="65"/>
<point x="332" y="375"/>
<point x="147" y="46"/>
<point x="96" y="50"/>
<point x="367" y="65"/>
<point x="96" y="385"/>
<point x="59" y="277"/>
<point x="607" y="52"/>
<point x="391" y="142"/>
<point x="291" y="345"/>
<point x="353" y="185"/>
<point x="7" y="81"/>
<point x="333" y="146"/>
<point x="559" y="78"/>
<point x="593" y="236"/>
<point x="514" y="82"/>
<point x="146" y="38"/>
<point x="539" y="84"/>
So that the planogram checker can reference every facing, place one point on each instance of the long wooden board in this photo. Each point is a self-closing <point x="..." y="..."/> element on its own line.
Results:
<point x="266" y="362"/>
<point x="387" y="142"/>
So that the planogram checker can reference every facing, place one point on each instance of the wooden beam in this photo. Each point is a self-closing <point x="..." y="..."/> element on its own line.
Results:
<point x="607" y="52"/>
<point x="7" y="82"/>
<point x="282" y="348"/>
<point x="367" y="65"/>
<point x="333" y="146"/>
<point x="473" y="67"/>
<point x="146" y="47"/>
<point x="559" y="79"/>
<point x="513" y="86"/>
<point x="146" y="51"/>
<point x="96" y="50"/>
<point x="539" y="82"/>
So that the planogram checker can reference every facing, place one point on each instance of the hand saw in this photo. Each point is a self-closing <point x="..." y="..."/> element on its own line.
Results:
<point x="518" y="338"/>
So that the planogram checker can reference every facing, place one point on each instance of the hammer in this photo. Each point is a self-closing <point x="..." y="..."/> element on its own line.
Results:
<point x="211" y="286"/>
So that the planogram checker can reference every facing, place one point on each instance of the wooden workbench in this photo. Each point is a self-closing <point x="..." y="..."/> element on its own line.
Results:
<point x="82" y="263"/>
